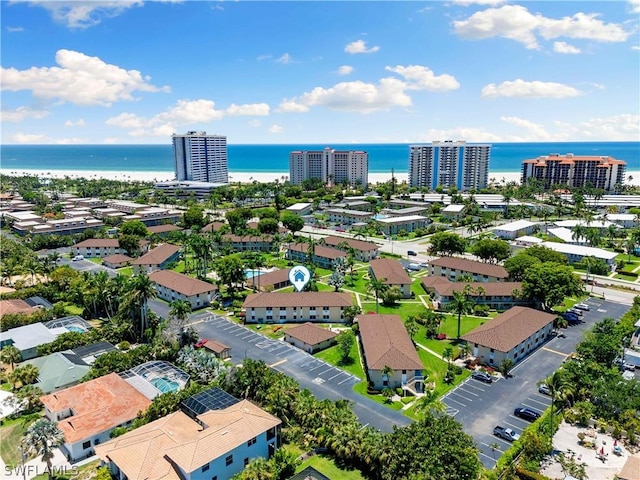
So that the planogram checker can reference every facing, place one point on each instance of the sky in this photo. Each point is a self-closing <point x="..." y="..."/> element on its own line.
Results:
<point x="261" y="72"/>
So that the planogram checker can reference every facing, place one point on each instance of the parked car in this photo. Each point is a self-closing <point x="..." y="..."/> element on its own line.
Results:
<point x="527" y="414"/>
<point x="482" y="376"/>
<point x="200" y="343"/>
<point x="411" y="253"/>
<point x="544" y="389"/>
<point x="575" y="310"/>
<point x="77" y="258"/>
<point x="506" y="433"/>
<point x="569" y="316"/>
<point x="582" y="306"/>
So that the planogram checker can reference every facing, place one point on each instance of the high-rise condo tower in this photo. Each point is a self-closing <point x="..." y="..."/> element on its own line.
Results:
<point x="200" y="157"/>
<point x="330" y="166"/>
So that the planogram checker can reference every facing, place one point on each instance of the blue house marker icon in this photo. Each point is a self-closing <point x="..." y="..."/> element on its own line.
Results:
<point x="299" y="276"/>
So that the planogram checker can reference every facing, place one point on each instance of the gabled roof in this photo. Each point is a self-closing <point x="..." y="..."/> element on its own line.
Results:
<point x="272" y="278"/>
<point x="310" y="334"/>
<point x="360" y="245"/>
<point x="164" y="228"/>
<point x="446" y="287"/>
<point x="158" y="255"/>
<point x="390" y="270"/>
<point x="212" y="227"/>
<point x="386" y="343"/>
<point x="99" y="243"/>
<point x="149" y="452"/>
<point x="509" y="329"/>
<point x="181" y="283"/>
<point x="470" y="266"/>
<point x="117" y="258"/>
<point x="319" y="251"/>
<point x="298" y="299"/>
<point x="58" y="370"/>
<point x="215" y="347"/>
<point x="98" y="405"/>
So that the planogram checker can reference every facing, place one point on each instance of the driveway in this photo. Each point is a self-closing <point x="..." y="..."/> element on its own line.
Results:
<point x="322" y="379"/>
<point x="479" y="407"/>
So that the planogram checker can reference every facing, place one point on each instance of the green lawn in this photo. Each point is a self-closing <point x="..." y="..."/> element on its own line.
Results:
<point x="128" y="271"/>
<point x="361" y="388"/>
<point x="9" y="440"/>
<point x="402" y="309"/>
<point x="332" y="356"/>
<point x="436" y="370"/>
<point x="72" y="309"/>
<point x="327" y="467"/>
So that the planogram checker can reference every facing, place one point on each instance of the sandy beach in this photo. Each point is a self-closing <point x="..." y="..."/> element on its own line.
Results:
<point x="234" y="177"/>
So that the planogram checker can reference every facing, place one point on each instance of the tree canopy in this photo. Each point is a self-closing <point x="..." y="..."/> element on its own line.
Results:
<point x="549" y="284"/>
<point x="447" y="244"/>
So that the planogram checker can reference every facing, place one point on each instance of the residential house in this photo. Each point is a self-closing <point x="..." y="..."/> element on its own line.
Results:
<point x="496" y="295"/>
<point x="249" y="243"/>
<point x="322" y="256"/>
<point x="59" y="370"/>
<point x="270" y="281"/>
<point x="409" y="223"/>
<point x="173" y="286"/>
<point x="309" y="473"/>
<point x="283" y="307"/>
<point x="364" y="251"/>
<point x="577" y="253"/>
<point x="453" y="211"/>
<point x="392" y="273"/>
<point x="310" y="338"/>
<point x="16" y="305"/>
<point x="158" y="258"/>
<point x="87" y="413"/>
<point x="515" y="229"/>
<point x="387" y="345"/>
<point x="454" y="267"/>
<point x="217" y="444"/>
<point x="116" y="261"/>
<point x="511" y="335"/>
<point x="27" y="338"/>
<point x="343" y="216"/>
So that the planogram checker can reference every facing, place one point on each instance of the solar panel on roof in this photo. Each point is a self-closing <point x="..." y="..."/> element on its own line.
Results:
<point x="212" y="399"/>
<point x="94" y="349"/>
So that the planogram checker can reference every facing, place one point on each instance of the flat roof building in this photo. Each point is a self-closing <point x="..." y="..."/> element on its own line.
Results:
<point x="330" y="166"/>
<point x="200" y="157"/>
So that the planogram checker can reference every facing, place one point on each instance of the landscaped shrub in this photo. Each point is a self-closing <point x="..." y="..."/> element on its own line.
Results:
<point x="481" y="310"/>
<point x="124" y="346"/>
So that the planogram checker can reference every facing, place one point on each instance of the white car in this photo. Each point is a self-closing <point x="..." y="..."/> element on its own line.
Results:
<point x="77" y="258"/>
<point x="582" y="306"/>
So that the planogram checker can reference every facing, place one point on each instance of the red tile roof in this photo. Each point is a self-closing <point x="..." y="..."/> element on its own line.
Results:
<point x="99" y="242"/>
<point x="272" y="278"/>
<point x="385" y="342"/>
<point x="15" y="306"/>
<point x="390" y="270"/>
<point x="509" y="329"/>
<point x="117" y="258"/>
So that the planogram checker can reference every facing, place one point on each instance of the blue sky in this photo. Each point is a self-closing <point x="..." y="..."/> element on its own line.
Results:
<point x="134" y="72"/>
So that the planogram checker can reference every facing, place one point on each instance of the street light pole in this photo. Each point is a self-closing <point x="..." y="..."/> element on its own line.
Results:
<point x="22" y="457"/>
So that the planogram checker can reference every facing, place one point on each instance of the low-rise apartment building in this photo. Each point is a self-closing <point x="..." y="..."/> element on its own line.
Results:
<point x="343" y="216"/>
<point x="410" y="223"/>
<point x="496" y="295"/>
<point x="172" y="286"/>
<point x="454" y="267"/>
<point x="392" y="273"/>
<point x="98" y="247"/>
<point x="283" y="307"/>
<point x="249" y="243"/>
<point x="156" y="259"/>
<point x="363" y="251"/>
<point x="515" y="229"/>
<point x="322" y="256"/>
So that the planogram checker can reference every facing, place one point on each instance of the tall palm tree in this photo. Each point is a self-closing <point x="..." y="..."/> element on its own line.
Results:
<point x="558" y="387"/>
<point x="180" y="310"/>
<point x="142" y="289"/>
<point x="26" y="374"/>
<point x="10" y="355"/>
<point x="377" y="287"/>
<point x="387" y="373"/>
<point x="460" y="304"/>
<point x="41" y="438"/>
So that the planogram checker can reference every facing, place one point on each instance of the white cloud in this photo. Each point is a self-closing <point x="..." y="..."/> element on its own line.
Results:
<point x="276" y="129"/>
<point x="40" y="138"/>
<point x="79" y="79"/>
<point x="422" y="78"/>
<point x="466" y="3"/>
<point x="615" y="128"/>
<point x="261" y="109"/>
<point x="635" y="47"/>
<point x="522" y="89"/>
<point x="535" y="130"/>
<point x="15" y="29"/>
<point x="467" y="133"/>
<point x="75" y="14"/>
<point x="516" y="23"/>
<point x="22" y="113"/>
<point x="634" y="5"/>
<point x="285" y="58"/>
<point x="345" y="70"/>
<point x="263" y="57"/>
<point x="78" y="123"/>
<point x="360" y="46"/>
<point x="184" y="113"/>
<point x="255" y="123"/>
<point x="562" y="47"/>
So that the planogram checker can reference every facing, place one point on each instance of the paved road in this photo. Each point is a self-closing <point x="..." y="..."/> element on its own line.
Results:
<point x="324" y="380"/>
<point x="480" y="407"/>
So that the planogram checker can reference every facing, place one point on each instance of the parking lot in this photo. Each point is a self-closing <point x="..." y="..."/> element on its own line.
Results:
<point x="480" y="406"/>
<point x="321" y="378"/>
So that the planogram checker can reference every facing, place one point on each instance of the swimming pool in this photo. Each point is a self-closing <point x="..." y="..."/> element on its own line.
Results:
<point x="248" y="274"/>
<point x="165" y="385"/>
<point x="380" y="216"/>
<point x="75" y="328"/>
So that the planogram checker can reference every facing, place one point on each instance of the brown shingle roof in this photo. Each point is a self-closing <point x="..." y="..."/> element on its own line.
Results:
<point x="158" y="255"/>
<point x="117" y="258"/>
<point x="471" y="266"/>
<point x="16" y="305"/>
<point x="181" y="283"/>
<point x="385" y="342"/>
<point x="446" y="287"/>
<point x="98" y="405"/>
<point x="318" y="250"/>
<point x="271" y="278"/>
<point x="148" y="452"/>
<point x="214" y="346"/>
<point x="164" y="228"/>
<point x="213" y="227"/>
<point x="391" y="270"/>
<point x="298" y="299"/>
<point x="510" y="328"/>
<point x="99" y="242"/>
<point x="355" y="244"/>
<point x="247" y="238"/>
<point x="310" y="334"/>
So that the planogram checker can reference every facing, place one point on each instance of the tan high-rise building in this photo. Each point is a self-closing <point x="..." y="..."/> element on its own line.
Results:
<point x="330" y="166"/>
<point x="575" y="171"/>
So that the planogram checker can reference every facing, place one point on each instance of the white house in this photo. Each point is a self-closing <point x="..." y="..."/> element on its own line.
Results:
<point x="217" y="444"/>
<point x="566" y="235"/>
<point x="576" y="253"/>
<point x="515" y="229"/>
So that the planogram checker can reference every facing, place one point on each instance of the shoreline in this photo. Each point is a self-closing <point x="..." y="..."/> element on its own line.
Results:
<point x="235" y="177"/>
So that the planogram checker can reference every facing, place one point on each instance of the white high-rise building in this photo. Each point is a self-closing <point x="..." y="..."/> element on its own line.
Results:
<point x="200" y="157"/>
<point x="330" y="166"/>
<point x="449" y="164"/>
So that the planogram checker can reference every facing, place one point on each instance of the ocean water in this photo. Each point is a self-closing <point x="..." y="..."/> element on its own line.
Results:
<point x="505" y="157"/>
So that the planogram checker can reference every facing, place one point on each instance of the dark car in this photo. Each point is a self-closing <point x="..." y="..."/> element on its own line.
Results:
<point x="482" y="376"/>
<point x="527" y="414"/>
<point x="411" y="253"/>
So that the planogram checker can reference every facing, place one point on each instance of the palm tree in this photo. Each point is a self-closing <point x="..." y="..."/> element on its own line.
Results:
<point x="41" y="438"/>
<point x="180" y="310"/>
<point x="387" y="373"/>
<point x="460" y="304"/>
<point x="142" y="290"/>
<point x="429" y="402"/>
<point x="25" y="374"/>
<point x="10" y="355"/>
<point x="558" y="386"/>
<point x="377" y="287"/>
